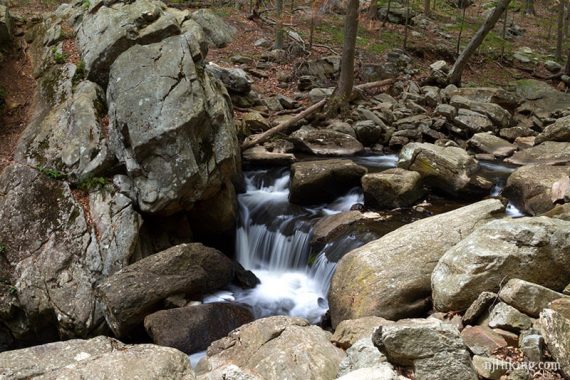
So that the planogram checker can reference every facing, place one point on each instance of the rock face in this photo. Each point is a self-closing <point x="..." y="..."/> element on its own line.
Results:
<point x="448" y="169"/>
<point x="390" y="277"/>
<point x="171" y="126"/>
<point x="191" y="329"/>
<point x="433" y="348"/>
<point x="275" y="348"/>
<point x="106" y="357"/>
<point x="530" y="187"/>
<point x="111" y="30"/>
<point x="136" y="291"/>
<point x="531" y="249"/>
<point x="325" y="142"/>
<point x="322" y="181"/>
<point x="392" y="188"/>
<point x="53" y="267"/>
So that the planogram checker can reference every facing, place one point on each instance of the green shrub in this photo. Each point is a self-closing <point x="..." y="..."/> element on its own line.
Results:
<point x="52" y="173"/>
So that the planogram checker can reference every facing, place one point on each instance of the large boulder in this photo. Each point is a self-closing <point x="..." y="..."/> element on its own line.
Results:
<point x="433" y="348"/>
<point x="52" y="268"/>
<point x="192" y="328"/>
<point x="528" y="297"/>
<point x="236" y="80"/>
<point x="218" y="32"/>
<point x="494" y="95"/>
<point x="138" y="290"/>
<point x="323" y="68"/>
<point x="275" y="348"/>
<point x="322" y="181"/>
<point x="498" y="115"/>
<point x="488" y="143"/>
<point x="392" y="188"/>
<point x="363" y="354"/>
<point x="530" y="188"/>
<point x="448" y="169"/>
<point x="350" y="331"/>
<point x="558" y="131"/>
<point x="171" y="126"/>
<point x="111" y="28"/>
<point x="549" y="153"/>
<point x="540" y="97"/>
<point x="470" y="122"/>
<point x="531" y="249"/>
<point x="325" y="142"/>
<point x="391" y="277"/>
<point x="106" y="357"/>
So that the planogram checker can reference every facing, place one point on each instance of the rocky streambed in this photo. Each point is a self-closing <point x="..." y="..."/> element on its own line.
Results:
<point x="427" y="236"/>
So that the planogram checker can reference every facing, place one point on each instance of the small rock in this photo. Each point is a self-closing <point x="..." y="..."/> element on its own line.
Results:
<point x="479" y="307"/>
<point x="482" y="340"/>
<point x="552" y="66"/>
<point x="531" y="344"/>
<point x="527" y="297"/>
<point x="507" y="317"/>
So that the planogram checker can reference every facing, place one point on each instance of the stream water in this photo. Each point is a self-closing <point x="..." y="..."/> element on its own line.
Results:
<point x="273" y="239"/>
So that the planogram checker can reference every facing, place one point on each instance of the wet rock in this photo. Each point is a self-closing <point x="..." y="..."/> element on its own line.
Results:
<point x="433" y="348"/>
<point x="107" y="32"/>
<point x="390" y="277"/>
<point x="180" y="113"/>
<point x="138" y="289"/>
<point x="448" y="169"/>
<point x="392" y="188"/>
<point x="489" y="143"/>
<point x="275" y="348"/>
<point x="236" y="80"/>
<point x="263" y="156"/>
<point x="350" y="331"/>
<point x="52" y="268"/>
<point x="558" y="131"/>
<point x="322" y="181"/>
<point x="325" y="142"/>
<point x="107" y="357"/>
<point x="507" y="317"/>
<point x="479" y="307"/>
<point x="482" y="340"/>
<point x="530" y="187"/>
<point x="218" y="32"/>
<point x="530" y="249"/>
<point x="190" y="329"/>
<point x="549" y="153"/>
<point x="527" y="297"/>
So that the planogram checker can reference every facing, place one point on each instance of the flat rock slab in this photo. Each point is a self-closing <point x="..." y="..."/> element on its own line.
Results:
<point x="325" y="142"/>
<point x="549" y="152"/>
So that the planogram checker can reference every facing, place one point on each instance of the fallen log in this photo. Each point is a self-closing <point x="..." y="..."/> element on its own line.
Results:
<point x="260" y="138"/>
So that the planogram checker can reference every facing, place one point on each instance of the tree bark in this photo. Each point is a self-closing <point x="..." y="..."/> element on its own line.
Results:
<point x="560" y="34"/>
<point x="373" y="10"/>
<point x="279" y="26"/>
<point x="457" y="70"/>
<point x="567" y="69"/>
<point x="387" y="13"/>
<point x="529" y="8"/>
<point x="406" y="27"/>
<point x="341" y="96"/>
<point x="426" y="8"/>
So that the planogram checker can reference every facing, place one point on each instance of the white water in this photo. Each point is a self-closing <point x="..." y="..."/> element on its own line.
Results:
<point x="273" y="241"/>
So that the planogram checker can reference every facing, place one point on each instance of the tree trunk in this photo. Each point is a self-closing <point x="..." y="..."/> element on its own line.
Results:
<point x="459" y="66"/>
<point x="505" y="19"/>
<point x="461" y="30"/>
<point x="387" y="13"/>
<point x="373" y="10"/>
<point x="406" y="27"/>
<point x="341" y="96"/>
<point x="279" y="26"/>
<point x="560" y="36"/>
<point x="529" y="8"/>
<point x="426" y="8"/>
<point x="312" y="30"/>
<point x="567" y="69"/>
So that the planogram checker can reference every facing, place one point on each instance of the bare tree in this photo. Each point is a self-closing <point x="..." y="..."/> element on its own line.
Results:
<point x="338" y="103"/>
<point x="373" y="10"/>
<point x="426" y="8"/>
<point x="457" y="70"/>
<point x="560" y="30"/>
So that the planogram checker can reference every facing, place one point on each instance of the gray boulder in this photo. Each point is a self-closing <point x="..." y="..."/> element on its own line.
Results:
<point x="549" y="153"/>
<point x="491" y="144"/>
<point x="171" y="126"/>
<point x="363" y="354"/>
<point x="109" y="30"/>
<point x="448" y="169"/>
<point x="325" y="142"/>
<point x="106" y="357"/>
<point x="433" y="348"/>
<point x="322" y="68"/>
<point x="392" y="188"/>
<point x="218" y="32"/>
<point x="527" y="297"/>
<point x="530" y="249"/>
<point x="322" y="181"/>
<point x="390" y="277"/>
<point x="350" y="331"/>
<point x="191" y="329"/>
<point x="137" y="290"/>
<point x="555" y="325"/>
<point x="558" y="131"/>
<point x="494" y="95"/>
<point x="530" y="188"/>
<point x="275" y="348"/>
<point x="508" y="318"/>
<point x="498" y="115"/>
<point x="470" y="122"/>
<point x="236" y="80"/>
<point x="53" y="268"/>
